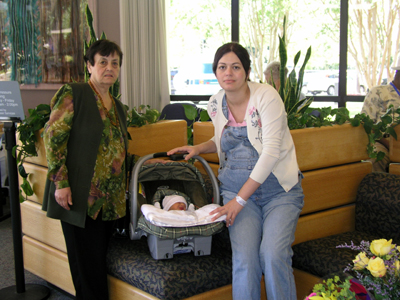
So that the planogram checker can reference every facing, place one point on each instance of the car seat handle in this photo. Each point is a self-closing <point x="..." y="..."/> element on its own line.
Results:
<point x="174" y="157"/>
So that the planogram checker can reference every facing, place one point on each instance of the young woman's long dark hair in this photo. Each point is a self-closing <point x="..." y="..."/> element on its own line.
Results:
<point x="240" y="52"/>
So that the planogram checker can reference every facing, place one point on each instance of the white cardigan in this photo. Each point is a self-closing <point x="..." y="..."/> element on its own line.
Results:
<point x="267" y="131"/>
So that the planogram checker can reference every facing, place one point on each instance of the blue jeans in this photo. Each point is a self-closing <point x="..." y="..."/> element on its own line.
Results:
<point x="263" y="231"/>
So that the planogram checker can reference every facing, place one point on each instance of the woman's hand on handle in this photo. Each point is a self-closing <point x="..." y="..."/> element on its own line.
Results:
<point x="190" y="150"/>
<point x="206" y="147"/>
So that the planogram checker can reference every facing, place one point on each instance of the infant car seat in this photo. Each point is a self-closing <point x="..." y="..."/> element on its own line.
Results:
<point x="150" y="184"/>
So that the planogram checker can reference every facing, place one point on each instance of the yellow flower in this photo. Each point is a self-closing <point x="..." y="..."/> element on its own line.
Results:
<point x="323" y="297"/>
<point x="361" y="261"/>
<point x="397" y="266"/>
<point x="377" y="267"/>
<point x="381" y="247"/>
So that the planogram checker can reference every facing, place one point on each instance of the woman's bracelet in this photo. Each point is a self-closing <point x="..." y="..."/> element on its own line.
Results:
<point x="241" y="201"/>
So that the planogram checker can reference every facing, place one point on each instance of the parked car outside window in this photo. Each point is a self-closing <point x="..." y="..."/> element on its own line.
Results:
<point x="196" y="79"/>
<point x="326" y="83"/>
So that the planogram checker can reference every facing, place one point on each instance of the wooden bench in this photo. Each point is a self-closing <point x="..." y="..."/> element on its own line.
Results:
<point x="329" y="157"/>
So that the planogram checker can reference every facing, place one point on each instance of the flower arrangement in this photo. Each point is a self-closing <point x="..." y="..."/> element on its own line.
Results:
<point x="375" y="273"/>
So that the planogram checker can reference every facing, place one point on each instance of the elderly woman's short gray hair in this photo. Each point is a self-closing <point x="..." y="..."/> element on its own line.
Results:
<point x="274" y="67"/>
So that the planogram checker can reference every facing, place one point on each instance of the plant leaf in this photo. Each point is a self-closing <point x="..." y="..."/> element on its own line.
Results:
<point x="22" y="172"/>
<point x="190" y="112"/>
<point x="26" y="187"/>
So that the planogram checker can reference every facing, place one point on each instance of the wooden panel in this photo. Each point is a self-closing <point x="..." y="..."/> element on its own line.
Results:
<point x="222" y="293"/>
<point x="394" y="146"/>
<point x="325" y="223"/>
<point x="394" y="168"/>
<point x="332" y="187"/>
<point x="48" y="263"/>
<point x="37" y="178"/>
<point x="202" y="132"/>
<point x="329" y="146"/>
<point x="304" y="283"/>
<point x="36" y="225"/>
<point x="158" y="137"/>
<point x="120" y="290"/>
<point x="315" y="147"/>
<point x="225" y="293"/>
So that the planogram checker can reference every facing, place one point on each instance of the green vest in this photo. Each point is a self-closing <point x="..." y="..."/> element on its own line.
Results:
<point x="83" y="145"/>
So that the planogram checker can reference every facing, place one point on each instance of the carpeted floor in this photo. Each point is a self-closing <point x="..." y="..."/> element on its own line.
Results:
<point x="7" y="269"/>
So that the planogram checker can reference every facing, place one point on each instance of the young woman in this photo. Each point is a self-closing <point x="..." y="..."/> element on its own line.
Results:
<point x="259" y="175"/>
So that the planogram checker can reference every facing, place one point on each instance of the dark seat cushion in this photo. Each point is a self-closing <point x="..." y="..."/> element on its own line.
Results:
<point x="377" y="211"/>
<point x="378" y="205"/>
<point x="183" y="276"/>
<point x="176" y="111"/>
<point x="321" y="257"/>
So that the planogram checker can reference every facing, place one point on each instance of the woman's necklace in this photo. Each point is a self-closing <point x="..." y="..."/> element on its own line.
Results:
<point x="104" y="107"/>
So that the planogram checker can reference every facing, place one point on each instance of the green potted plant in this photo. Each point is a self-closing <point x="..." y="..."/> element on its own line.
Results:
<point x="194" y="113"/>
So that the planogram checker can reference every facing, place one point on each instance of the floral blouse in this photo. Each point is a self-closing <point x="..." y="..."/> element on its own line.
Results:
<point x="108" y="184"/>
<point x="378" y="100"/>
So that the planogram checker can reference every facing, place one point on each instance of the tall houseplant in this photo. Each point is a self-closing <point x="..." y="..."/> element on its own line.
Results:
<point x="290" y="89"/>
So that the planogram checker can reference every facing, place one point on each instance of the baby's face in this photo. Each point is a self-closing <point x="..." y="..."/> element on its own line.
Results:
<point x="178" y="206"/>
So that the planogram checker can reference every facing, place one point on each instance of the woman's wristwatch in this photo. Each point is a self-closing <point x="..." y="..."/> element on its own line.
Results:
<point x="240" y="200"/>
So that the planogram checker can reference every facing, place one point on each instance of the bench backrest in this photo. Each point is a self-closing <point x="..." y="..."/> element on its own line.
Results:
<point x="378" y="206"/>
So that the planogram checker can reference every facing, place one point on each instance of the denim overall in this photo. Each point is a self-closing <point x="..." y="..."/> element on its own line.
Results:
<point x="263" y="231"/>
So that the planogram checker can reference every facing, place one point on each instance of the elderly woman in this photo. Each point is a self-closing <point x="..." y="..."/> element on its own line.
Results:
<point x="86" y="145"/>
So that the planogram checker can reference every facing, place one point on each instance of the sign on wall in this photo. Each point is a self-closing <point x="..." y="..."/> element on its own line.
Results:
<point x="10" y="101"/>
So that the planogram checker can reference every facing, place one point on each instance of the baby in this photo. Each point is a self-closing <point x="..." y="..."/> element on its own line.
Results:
<point x="176" y="213"/>
<point x="175" y="202"/>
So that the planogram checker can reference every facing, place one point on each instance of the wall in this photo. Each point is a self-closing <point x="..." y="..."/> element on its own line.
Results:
<point x="106" y="18"/>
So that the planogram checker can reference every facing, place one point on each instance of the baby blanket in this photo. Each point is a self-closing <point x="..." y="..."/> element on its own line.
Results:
<point x="180" y="218"/>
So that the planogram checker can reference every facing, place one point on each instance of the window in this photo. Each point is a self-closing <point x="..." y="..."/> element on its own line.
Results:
<point x="42" y="40"/>
<point x="354" y="42"/>
<point x="196" y="29"/>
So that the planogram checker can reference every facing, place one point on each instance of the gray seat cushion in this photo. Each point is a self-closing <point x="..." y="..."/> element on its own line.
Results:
<point x="377" y="211"/>
<point x="183" y="276"/>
